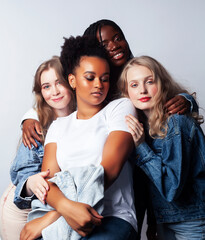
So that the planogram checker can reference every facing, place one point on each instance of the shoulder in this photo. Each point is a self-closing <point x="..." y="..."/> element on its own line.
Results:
<point x="120" y="101"/>
<point x="61" y="121"/>
<point x="121" y="105"/>
<point x="178" y="124"/>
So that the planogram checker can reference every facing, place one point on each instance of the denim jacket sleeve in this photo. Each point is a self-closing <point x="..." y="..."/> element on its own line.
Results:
<point x="167" y="161"/>
<point x="190" y="98"/>
<point x="26" y="163"/>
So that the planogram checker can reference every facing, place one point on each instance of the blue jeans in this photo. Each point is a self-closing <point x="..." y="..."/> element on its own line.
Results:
<point x="112" y="228"/>
<point x="187" y="230"/>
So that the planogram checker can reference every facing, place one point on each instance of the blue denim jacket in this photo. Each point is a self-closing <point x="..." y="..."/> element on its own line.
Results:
<point x="80" y="184"/>
<point x="194" y="107"/>
<point x="175" y="166"/>
<point x="26" y="163"/>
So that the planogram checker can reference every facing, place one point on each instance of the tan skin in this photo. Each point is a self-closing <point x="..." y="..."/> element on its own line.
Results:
<point x="82" y="217"/>
<point x="114" y="43"/>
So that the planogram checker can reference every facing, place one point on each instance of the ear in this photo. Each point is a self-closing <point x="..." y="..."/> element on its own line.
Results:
<point x="71" y="80"/>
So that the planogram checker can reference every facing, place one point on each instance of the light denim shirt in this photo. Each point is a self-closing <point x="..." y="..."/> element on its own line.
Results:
<point x="26" y="163"/>
<point x="175" y="166"/>
<point x="82" y="184"/>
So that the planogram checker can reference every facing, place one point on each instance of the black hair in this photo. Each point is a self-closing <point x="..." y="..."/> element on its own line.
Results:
<point x="75" y="48"/>
<point x="96" y="27"/>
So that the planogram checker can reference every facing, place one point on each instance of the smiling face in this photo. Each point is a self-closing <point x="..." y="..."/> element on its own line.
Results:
<point x="55" y="93"/>
<point x="115" y="45"/>
<point x="142" y="87"/>
<point x="91" y="82"/>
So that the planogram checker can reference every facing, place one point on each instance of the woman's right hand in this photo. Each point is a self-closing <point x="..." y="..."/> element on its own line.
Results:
<point x="31" y="131"/>
<point x="36" y="184"/>
<point x="80" y="216"/>
<point x="136" y="129"/>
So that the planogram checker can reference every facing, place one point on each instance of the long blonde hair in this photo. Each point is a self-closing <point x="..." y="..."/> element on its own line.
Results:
<point x="44" y="111"/>
<point x="167" y="89"/>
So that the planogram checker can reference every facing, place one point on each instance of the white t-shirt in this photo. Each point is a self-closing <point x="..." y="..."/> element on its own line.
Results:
<point x="80" y="143"/>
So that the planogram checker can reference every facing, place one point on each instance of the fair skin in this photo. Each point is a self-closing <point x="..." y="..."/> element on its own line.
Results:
<point x="142" y="89"/>
<point x="118" y="52"/>
<point x="91" y="83"/>
<point x="58" y="97"/>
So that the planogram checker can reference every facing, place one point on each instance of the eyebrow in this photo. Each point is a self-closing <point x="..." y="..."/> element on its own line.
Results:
<point x="147" y="77"/>
<point x="113" y="37"/>
<point x="95" y="73"/>
<point x="48" y="82"/>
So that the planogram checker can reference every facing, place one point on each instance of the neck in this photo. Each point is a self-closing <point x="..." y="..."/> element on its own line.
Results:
<point x="61" y="112"/>
<point x="147" y="113"/>
<point x="86" y="112"/>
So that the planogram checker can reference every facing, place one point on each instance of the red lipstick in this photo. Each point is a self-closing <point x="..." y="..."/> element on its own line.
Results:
<point x="145" y="99"/>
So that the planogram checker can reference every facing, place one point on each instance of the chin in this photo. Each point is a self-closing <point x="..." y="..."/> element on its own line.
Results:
<point x="119" y="63"/>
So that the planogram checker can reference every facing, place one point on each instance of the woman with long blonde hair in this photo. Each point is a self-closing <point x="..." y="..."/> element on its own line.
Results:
<point x="53" y="98"/>
<point x="170" y="149"/>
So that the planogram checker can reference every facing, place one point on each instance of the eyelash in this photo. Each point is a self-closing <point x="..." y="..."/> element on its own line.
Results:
<point x="46" y="87"/>
<point x="102" y="79"/>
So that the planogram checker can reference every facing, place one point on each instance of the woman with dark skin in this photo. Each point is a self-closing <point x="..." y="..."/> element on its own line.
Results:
<point x="110" y="35"/>
<point x="112" y="38"/>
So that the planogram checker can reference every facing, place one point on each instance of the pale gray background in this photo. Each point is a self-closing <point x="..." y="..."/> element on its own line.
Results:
<point x="172" y="31"/>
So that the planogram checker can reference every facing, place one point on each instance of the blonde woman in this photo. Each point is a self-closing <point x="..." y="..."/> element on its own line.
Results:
<point x="169" y="149"/>
<point x="54" y="98"/>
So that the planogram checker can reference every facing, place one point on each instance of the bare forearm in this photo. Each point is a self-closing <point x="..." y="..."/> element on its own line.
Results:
<point x="56" y="198"/>
<point x="116" y="151"/>
<point x="50" y="217"/>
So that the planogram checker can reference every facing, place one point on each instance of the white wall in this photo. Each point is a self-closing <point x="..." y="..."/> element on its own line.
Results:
<point x="32" y="31"/>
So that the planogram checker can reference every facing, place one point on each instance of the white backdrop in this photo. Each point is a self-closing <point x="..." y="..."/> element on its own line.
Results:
<point x="32" y="31"/>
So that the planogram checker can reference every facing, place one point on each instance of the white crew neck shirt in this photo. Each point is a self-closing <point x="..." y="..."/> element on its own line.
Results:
<point x="80" y="142"/>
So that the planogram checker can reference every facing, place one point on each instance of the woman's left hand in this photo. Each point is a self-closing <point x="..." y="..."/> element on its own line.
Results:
<point x="178" y="104"/>
<point x="136" y="129"/>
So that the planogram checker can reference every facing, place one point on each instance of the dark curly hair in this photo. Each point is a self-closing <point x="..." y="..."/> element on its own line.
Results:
<point x="75" y="48"/>
<point x="96" y="27"/>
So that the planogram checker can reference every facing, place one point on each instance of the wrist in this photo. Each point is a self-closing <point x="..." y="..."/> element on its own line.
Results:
<point x="63" y="204"/>
<point x="28" y="189"/>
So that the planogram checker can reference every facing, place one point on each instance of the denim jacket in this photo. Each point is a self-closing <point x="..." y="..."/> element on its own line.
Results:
<point x="175" y="166"/>
<point x="80" y="184"/>
<point x="193" y="105"/>
<point x="26" y="163"/>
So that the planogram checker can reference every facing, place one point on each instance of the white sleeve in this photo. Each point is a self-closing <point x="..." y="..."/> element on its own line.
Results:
<point x="121" y="108"/>
<point x="30" y="114"/>
<point x="52" y="133"/>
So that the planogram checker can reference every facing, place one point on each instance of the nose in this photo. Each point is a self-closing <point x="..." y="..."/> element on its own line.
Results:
<point x="55" y="90"/>
<point x="112" y="46"/>
<point x="143" y="89"/>
<point x="98" y="83"/>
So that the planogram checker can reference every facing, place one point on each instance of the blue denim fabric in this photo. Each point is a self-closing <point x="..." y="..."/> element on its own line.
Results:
<point x="26" y="163"/>
<point x="83" y="184"/>
<point x="190" y="98"/>
<point x="112" y="228"/>
<point x="194" y="230"/>
<point x="175" y="166"/>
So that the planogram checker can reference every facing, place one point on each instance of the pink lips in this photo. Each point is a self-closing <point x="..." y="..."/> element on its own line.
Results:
<point x="145" y="99"/>
<point x="57" y="99"/>
<point x="97" y="93"/>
